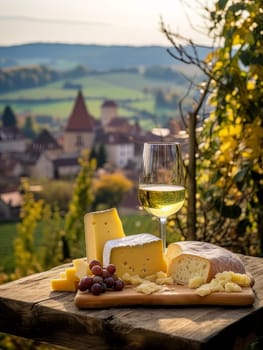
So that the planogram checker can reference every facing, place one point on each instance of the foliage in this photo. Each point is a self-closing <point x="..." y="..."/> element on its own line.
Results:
<point x="231" y="156"/>
<point x="99" y="153"/>
<point x="39" y="241"/>
<point x="57" y="192"/>
<point x="7" y="236"/>
<point x="164" y="73"/>
<point x="8" y="117"/>
<point x="24" y="245"/>
<point x="228" y="152"/>
<point x="109" y="190"/>
<point x="28" y="128"/>
<point x="26" y="77"/>
<point x="164" y="99"/>
<point x="51" y="249"/>
<point x="79" y="205"/>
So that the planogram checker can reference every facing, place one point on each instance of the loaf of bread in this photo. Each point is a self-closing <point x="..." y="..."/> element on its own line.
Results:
<point x="189" y="259"/>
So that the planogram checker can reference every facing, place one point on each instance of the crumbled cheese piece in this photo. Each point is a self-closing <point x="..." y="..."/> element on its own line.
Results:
<point x="232" y="287"/>
<point x="151" y="278"/>
<point x="204" y="290"/>
<point x="129" y="279"/>
<point x="196" y="282"/>
<point x="226" y="281"/>
<point x="164" y="280"/>
<point x="161" y="274"/>
<point x="148" y="287"/>
<point x="242" y="280"/>
<point x="148" y="284"/>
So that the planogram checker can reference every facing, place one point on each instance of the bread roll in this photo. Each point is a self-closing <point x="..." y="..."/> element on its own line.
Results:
<point x="188" y="259"/>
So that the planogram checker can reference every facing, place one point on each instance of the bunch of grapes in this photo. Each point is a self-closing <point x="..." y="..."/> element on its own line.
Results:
<point x="103" y="278"/>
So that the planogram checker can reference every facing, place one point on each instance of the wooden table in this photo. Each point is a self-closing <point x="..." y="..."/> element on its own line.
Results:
<point x="29" y="309"/>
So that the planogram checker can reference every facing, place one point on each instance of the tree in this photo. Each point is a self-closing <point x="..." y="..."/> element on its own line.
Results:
<point x="28" y="128"/>
<point x="109" y="190"/>
<point x="80" y="204"/>
<point x="27" y="261"/>
<point x="229" y="147"/>
<point x="8" y="117"/>
<point x="39" y="242"/>
<point x="232" y="156"/>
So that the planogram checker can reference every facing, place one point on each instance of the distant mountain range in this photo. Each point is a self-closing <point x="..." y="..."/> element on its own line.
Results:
<point x="99" y="57"/>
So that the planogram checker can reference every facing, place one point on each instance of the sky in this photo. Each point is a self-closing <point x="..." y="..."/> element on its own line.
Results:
<point x="105" y="22"/>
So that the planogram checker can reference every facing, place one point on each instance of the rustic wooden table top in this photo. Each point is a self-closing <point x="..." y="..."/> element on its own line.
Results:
<point x="29" y="309"/>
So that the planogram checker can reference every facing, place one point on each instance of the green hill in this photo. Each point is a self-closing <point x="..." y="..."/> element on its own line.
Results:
<point x="65" y="56"/>
<point x="134" y="89"/>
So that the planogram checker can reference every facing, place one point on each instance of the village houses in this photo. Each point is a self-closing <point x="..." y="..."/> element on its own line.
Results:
<point x="53" y="158"/>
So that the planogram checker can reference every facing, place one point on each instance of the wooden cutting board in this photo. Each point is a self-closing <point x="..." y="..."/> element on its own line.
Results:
<point x="171" y="295"/>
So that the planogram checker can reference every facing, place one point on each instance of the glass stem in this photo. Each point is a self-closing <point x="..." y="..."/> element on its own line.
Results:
<point x="163" y="232"/>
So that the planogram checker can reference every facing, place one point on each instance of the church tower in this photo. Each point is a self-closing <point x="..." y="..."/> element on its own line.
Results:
<point x="80" y="130"/>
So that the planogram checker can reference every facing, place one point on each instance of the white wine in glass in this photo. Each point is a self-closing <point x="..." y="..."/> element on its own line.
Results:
<point x="161" y="181"/>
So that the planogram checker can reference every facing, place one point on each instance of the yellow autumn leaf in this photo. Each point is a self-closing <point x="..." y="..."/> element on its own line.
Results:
<point x="251" y="85"/>
<point x="235" y="129"/>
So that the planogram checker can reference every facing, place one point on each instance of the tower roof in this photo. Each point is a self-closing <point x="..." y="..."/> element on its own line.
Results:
<point x="80" y="119"/>
<point x="109" y="103"/>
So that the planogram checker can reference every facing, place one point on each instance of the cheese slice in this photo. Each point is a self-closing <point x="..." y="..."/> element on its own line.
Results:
<point x="100" y="227"/>
<point x="139" y="254"/>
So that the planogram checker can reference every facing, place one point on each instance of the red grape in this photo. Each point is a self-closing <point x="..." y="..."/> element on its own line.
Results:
<point x="118" y="285"/>
<point x="105" y="273"/>
<point x="111" y="268"/>
<point x="109" y="282"/>
<point x="97" y="279"/>
<point x="93" y="263"/>
<point x="96" y="270"/>
<point x="85" y="283"/>
<point x="96" y="289"/>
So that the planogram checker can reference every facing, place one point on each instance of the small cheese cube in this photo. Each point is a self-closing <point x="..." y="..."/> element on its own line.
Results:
<point x="62" y="275"/>
<point x="63" y="285"/>
<point x="71" y="274"/>
<point x="100" y="227"/>
<point x="139" y="254"/>
<point x="82" y="267"/>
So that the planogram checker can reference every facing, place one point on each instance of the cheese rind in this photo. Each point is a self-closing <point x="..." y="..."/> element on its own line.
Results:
<point x="100" y="227"/>
<point x="188" y="259"/>
<point x="139" y="254"/>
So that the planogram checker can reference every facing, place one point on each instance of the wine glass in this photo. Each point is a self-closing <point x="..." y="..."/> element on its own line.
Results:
<point x="161" y="181"/>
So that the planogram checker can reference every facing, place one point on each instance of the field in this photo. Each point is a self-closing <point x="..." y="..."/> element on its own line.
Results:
<point x="132" y="224"/>
<point x="127" y="89"/>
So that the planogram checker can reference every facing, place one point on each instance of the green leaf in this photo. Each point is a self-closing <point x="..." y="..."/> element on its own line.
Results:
<point x="231" y="211"/>
<point x="242" y="225"/>
<point x="216" y="177"/>
<point x="227" y="211"/>
<point x="241" y="175"/>
<point x="222" y="4"/>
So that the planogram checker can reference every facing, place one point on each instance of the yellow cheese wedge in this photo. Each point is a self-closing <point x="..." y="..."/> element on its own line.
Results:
<point x="63" y="285"/>
<point x="139" y="254"/>
<point x="100" y="227"/>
